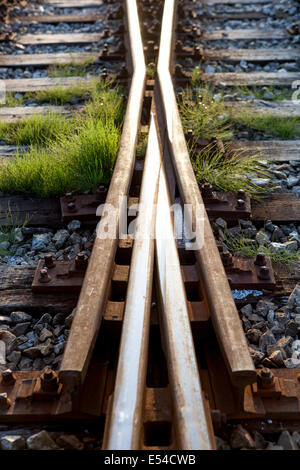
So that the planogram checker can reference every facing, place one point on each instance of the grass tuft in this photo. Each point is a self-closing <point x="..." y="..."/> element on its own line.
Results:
<point x="73" y="69"/>
<point x="11" y="101"/>
<point x="36" y="130"/>
<point x="231" y="172"/>
<point x="9" y="232"/>
<point x="275" y="126"/>
<point x="249" y="248"/>
<point x="208" y="118"/>
<point x="279" y="93"/>
<point x="80" y="151"/>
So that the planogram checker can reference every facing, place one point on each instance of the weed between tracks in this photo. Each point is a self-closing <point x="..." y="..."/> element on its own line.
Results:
<point x="281" y="127"/>
<point x="73" y="69"/>
<point x="77" y="153"/>
<point x="204" y="111"/>
<point x="230" y="173"/>
<point x="249" y="248"/>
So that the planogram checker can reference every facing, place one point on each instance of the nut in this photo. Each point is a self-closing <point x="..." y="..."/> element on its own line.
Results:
<point x="49" y="381"/>
<point x="264" y="273"/>
<point x="71" y="207"/>
<point x="44" y="276"/>
<point x="69" y="197"/>
<point x="241" y="194"/>
<point x="227" y="258"/>
<point x="265" y="378"/>
<point x="207" y="191"/>
<point x="81" y="261"/>
<point x="8" y="377"/>
<point x="5" y="402"/>
<point x="241" y="204"/>
<point x="260" y="259"/>
<point x="48" y="261"/>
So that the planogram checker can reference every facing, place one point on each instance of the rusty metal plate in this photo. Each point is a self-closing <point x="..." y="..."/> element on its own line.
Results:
<point x="244" y="273"/>
<point x="226" y="205"/>
<point x="28" y="401"/>
<point x="60" y="276"/>
<point x="82" y="207"/>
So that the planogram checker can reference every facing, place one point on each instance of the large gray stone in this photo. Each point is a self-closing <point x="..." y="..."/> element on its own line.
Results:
<point x="40" y="241"/>
<point x="266" y="339"/>
<point x="12" y="443"/>
<point x="292" y="363"/>
<point x="41" y="441"/>
<point x="294" y="299"/>
<point x="60" y="238"/>
<point x="285" y="440"/>
<point x="70" y="442"/>
<point x="20" y="317"/>
<point x="240" y="438"/>
<point x="9" y="339"/>
<point x="263" y="237"/>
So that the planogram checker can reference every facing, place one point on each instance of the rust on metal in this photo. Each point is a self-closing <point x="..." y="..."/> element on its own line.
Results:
<point x="93" y="296"/>
<point x="217" y="292"/>
<point x="60" y="276"/>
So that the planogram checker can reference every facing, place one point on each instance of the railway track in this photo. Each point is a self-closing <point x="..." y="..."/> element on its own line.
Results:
<point x="155" y="356"/>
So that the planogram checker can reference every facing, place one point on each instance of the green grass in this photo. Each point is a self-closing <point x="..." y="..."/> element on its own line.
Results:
<point x="11" y="101"/>
<point x="196" y="82"/>
<point x="275" y="126"/>
<point x="243" y="247"/>
<point x="73" y="69"/>
<point x="230" y="172"/>
<point x="208" y="118"/>
<point x="150" y="71"/>
<point x="141" y="146"/>
<point x="60" y="95"/>
<point x="36" y="130"/>
<point x="8" y="233"/>
<point x="280" y="93"/>
<point x="81" y="156"/>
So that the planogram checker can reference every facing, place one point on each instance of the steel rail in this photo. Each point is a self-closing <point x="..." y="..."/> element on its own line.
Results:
<point x="192" y="423"/>
<point x="217" y="293"/>
<point x="93" y="295"/>
<point x="124" y="421"/>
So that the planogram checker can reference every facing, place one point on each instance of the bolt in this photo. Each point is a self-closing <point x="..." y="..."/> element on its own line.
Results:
<point x="100" y="191"/>
<point x="81" y="261"/>
<point x="71" y="207"/>
<point x="198" y="51"/>
<point x="124" y="72"/>
<point x="104" y="74"/>
<point x="260" y="259"/>
<point x="49" y="381"/>
<point x="44" y="276"/>
<point x="178" y="70"/>
<point x="240" y="204"/>
<point x="106" y="33"/>
<point x="190" y="134"/>
<point x="241" y="194"/>
<point x="8" y="377"/>
<point x="4" y="402"/>
<point x="48" y="261"/>
<point x="264" y="273"/>
<point x="207" y="191"/>
<point x="227" y="258"/>
<point x="70" y="197"/>
<point x="265" y="378"/>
